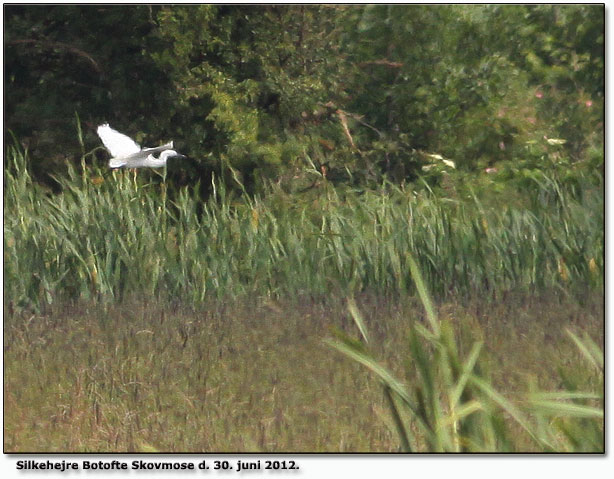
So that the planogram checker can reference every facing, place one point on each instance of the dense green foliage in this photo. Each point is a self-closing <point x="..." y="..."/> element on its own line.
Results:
<point x="258" y="92"/>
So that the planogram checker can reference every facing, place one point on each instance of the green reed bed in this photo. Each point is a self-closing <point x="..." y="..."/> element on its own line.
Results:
<point x="108" y="235"/>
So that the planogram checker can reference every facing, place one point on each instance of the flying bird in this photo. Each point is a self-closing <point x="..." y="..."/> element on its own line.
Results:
<point x="126" y="153"/>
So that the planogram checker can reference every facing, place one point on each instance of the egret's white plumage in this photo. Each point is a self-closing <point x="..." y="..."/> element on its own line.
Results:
<point x="127" y="153"/>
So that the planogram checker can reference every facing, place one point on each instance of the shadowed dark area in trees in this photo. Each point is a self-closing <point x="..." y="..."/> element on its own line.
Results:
<point x="265" y="91"/>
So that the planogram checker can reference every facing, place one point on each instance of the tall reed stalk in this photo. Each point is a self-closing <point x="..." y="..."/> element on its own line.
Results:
<point x="450" y="406"/>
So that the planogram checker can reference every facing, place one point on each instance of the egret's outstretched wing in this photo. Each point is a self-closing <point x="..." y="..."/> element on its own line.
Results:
<point x="119" y="145"/>
<point x="168" y="146"/>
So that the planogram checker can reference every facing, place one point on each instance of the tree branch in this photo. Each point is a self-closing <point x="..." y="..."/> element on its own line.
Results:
<point x="50" y="44"/>
<point x="383" y="62"/>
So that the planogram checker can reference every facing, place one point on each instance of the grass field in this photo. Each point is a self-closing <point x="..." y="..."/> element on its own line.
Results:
<point x="140" y="322"/>
<point x="254" y="375"/>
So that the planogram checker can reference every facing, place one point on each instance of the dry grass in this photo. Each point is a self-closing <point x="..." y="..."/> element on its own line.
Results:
<point x="250" y="375"/>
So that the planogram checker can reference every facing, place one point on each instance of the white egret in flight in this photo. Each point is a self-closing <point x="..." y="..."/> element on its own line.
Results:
<point x="126" y="153"/>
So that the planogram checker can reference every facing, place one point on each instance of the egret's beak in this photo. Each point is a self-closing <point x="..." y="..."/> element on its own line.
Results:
<point x="179" y="156"/>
